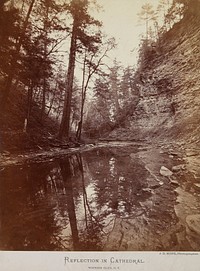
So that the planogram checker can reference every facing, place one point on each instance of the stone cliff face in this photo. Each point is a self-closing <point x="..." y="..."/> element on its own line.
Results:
<point x="169" y="85"/>
<point x="170" y="100"/>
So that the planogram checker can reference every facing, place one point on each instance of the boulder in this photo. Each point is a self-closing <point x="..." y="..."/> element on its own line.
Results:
<point x="178" y="167"/>
<point x="165" y="172"/>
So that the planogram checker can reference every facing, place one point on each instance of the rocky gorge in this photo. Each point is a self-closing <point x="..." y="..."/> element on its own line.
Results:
<point x="141" y="192"/>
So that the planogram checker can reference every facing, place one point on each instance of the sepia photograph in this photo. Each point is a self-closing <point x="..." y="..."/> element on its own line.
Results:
<point x="99" y="134"/>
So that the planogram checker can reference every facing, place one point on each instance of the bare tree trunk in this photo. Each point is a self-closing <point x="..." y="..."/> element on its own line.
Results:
<point x="44" y="61"/>
<point x="83" y="94"/>
<point x="29" y="107"/>
<point x="65" y="122"/>
<point x="51" y="104"/>
<point x="43" y="99"/>
<point x="147" y="34"/>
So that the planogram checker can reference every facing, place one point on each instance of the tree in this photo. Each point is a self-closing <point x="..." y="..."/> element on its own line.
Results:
<point x="38" y="62"/>
<point x="14" y="60"/>
<point x="45" y="30"/>
<point x="34" y="68"/>
<point x="98" y="119"/>
<point x="175" y="12"/>
<point x="9" y="31"/>
<point x="163" y="6"/>
<point x="127" y="85"/>
<point x="147" y="14"/>
<point x="48" y="15"/>
<point x="115" y="97"/>
<point x="91" y="66"/>
<point x="114" y="89"/>
<point x="81" y="22"/>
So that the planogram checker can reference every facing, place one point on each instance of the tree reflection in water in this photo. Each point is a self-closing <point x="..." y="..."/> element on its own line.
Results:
<point x="66" y="172"/>
<point x="91" y="235"/>
<point x="88" y="237"/>
<point x="70" y="203"/>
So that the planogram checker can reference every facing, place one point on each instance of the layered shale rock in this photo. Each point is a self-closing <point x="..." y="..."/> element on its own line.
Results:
<point x="168" y="83"/>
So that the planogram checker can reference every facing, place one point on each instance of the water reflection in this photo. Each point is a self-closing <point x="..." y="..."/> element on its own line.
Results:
<point x="76" y="202"/>
<point x="67" y="173"/>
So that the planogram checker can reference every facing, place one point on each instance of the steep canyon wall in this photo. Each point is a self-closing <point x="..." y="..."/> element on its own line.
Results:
<point x="169" y="85"/>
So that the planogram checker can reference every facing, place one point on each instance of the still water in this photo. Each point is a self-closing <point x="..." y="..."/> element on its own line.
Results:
<point x="105" y="199"/>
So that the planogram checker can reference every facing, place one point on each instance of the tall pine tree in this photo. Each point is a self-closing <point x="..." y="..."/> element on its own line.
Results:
<point x="82" y="22"/>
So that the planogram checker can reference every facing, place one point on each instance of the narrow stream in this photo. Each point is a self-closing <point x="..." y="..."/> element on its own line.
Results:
<point x="105" y="199"/>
